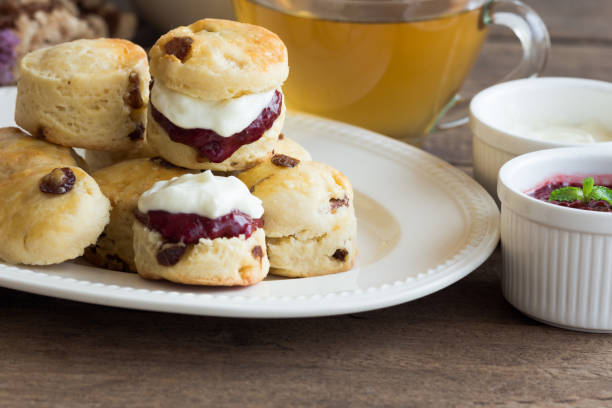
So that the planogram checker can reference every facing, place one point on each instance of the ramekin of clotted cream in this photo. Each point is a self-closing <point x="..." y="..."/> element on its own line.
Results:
<point x="522" y="116"/>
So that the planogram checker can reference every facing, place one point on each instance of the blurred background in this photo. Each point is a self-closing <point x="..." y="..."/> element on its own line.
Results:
<point x="580" y="32"/>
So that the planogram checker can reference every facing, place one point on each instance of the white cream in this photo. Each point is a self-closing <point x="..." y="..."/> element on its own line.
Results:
<point x="587" y="132"/>
<point x="204" y="194"/>
<point x="225" y="117"/>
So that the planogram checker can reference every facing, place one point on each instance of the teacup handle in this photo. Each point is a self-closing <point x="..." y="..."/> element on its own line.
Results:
<point x="533" y="35"/>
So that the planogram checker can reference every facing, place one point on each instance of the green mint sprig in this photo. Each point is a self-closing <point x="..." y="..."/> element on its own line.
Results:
<point x="588" y="192"/>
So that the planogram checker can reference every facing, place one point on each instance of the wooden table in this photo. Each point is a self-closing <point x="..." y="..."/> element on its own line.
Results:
<point x="463" y="346"/>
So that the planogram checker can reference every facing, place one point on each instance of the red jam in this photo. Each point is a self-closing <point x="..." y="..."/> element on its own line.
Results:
<point x="211" y="145"/>
<point x="543" y="192"/>
<point x="189" y="228"/>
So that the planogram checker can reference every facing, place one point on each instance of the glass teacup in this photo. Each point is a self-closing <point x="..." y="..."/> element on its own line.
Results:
<point x="393" y="66"/>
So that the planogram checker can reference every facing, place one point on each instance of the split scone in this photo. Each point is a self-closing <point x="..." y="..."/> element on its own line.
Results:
<point x="20" y="151"/>
<point x="200" y="229"/>
<point x="86" y="93"/>
<point x="216" y="101"/>
<point x="49" y="215"/>
<point x="309" y="216"/>
<point x="123" y="183"/>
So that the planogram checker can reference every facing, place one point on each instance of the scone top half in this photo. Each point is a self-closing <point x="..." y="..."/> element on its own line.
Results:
<point x="219" y="59"/>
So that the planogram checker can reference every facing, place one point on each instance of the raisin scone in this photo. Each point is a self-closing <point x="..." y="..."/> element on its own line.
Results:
<point x="200" y="229"/>
<point x="20" y="151"/>
<point x="123" y="183"/>
<point x="91" y="94"/>
<point x="309" y="216"/>
<point x="49" y="215"/>
<point x="216" y="101"/>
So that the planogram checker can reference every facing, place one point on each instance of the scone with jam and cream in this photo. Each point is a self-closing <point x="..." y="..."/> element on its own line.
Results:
<point x="216" y="101"/>
<point x="200" y="229"/>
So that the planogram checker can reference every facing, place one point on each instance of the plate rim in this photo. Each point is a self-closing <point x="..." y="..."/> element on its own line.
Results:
<point x="481" y="241"/>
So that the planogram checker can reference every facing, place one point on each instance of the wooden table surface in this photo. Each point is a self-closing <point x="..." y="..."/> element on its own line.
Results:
<point x="462" y="346"/>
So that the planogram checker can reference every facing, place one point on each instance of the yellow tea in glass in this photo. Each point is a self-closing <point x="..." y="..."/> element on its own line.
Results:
<point x="387" y="65"/>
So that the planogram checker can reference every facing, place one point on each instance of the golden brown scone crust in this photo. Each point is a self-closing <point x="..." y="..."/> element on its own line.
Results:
<point x="183" y="155"/>
<point x="227" y="59"/>
<point x="332" y="252"/>
<point x="123" y="183"/>
<point x="308" y="215"/>
<point x="216" y="262"/>
<point x="290" y="147"/>
<point x="99" y="159"/>
<point x="40" y="228"/>
<point x="297" y="200"/>
<point x="20" y="151"/>
<point x="77" y="94"/>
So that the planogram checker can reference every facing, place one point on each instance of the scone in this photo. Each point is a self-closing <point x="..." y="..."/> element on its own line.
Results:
<point x="309" y="216"/>
<point x="20" y="151"/>
<point x="49" y="215"/>
<point x="123" y="183"/>
<point x="200" y="229"/>
<point x="91" y="94"/>
<point x="99" y="159"/>
<point x="216" y="101"/>
<point x="291" y="148"/>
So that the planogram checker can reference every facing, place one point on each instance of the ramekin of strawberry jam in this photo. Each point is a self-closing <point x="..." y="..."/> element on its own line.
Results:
<point x="564" y="191"/>
<point x="556" y="235"/>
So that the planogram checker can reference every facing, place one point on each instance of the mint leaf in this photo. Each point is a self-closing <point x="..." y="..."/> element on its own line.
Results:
<point x="601" y="193"/>
<point x="587" y="187"/>
<point x="566" y="194"/>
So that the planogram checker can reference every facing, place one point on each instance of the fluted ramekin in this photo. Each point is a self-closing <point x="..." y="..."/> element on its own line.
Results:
<point x="557" y="261"/>
<point x="500" y="114"/>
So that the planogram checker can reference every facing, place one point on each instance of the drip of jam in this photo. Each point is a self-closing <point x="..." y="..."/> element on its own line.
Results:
<point x="189" y="228"/>
<point x="214" y="147"/>
<point x="543" y="193"/>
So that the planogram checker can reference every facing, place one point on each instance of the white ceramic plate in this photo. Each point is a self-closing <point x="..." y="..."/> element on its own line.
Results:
<point x="423" y="225"/>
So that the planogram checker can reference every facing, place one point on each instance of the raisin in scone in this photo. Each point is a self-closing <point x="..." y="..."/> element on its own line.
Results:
<point x="291" y="148"/>
<point x="216" y="101"/>
<point x="91" y="94"/>
<point x="20" y="151"/>
<point x="123" y="183"/>
<point x="49" y="215"/>
<point x="200" y="229"/>
<point x="309" y="216"/>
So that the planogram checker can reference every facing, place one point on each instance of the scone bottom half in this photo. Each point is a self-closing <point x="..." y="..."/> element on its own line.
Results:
<point x="309" y="216"/>
<point x="200" y="239"/>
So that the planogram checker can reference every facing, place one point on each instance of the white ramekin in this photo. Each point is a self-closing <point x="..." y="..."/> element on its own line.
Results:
<point x="498" y="113"/>
<point x="557" y="261"/>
